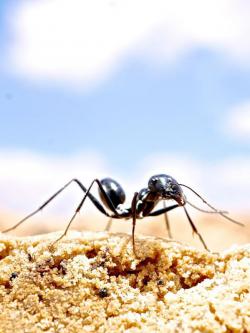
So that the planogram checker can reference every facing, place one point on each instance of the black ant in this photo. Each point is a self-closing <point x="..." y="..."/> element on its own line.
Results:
<point x="160" y="188"/>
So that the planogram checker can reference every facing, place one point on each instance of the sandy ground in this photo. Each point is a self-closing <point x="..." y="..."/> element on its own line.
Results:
<point x="93" y="282"/>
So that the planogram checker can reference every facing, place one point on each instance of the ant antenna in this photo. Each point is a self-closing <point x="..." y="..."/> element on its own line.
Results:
<point x="207" y="211"/>
<point x="213" y="208"/>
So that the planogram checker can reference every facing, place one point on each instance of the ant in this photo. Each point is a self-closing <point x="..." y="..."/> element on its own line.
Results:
<point x="112" y="197"/>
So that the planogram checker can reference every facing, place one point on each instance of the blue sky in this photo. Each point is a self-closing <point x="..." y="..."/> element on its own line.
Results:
<point x="142" y="108"/>
<point x="134" y="113"/>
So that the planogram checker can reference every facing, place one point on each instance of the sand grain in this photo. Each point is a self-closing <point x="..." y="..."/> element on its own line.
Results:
<point x="92" y="282"/>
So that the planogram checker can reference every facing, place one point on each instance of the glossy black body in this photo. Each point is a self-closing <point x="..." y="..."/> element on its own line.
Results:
<point x="114" y="191"/>
<point x="160" y="187"/>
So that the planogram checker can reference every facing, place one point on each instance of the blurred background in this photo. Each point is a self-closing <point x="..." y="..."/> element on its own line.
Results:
<point x="125" y="89"/>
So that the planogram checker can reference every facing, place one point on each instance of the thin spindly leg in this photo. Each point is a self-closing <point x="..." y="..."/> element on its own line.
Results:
<point x="195" y="229"/>
<point x="163" y="210"/>
<point x="109" y="224"/>
<point x="133" y="210"/>
<point x="116" y="214"/>
<point x="92" y="198"/>
<point x="167" y="222"/>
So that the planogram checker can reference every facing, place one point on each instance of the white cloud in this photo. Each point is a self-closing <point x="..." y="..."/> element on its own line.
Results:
<point x="228" y="182"/>
<point x="28" y="179"/>
<point x="237" y="123"/>
<point x="81" y="42"/>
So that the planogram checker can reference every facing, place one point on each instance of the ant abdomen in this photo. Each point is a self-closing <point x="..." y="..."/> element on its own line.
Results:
<point x="114" y="191"/>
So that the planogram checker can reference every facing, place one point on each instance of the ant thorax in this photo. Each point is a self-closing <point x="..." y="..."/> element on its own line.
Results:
<point x="146" y="202"/>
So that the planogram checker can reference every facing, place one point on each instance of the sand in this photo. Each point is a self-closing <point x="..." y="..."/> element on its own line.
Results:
<point x="92" y="282"/>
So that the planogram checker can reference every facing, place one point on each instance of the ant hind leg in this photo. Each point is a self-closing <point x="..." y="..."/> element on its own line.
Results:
<point x="108" y="225"/>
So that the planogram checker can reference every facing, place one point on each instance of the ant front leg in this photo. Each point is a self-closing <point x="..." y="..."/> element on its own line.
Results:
<point x="167" y="221"/>
<point x="133" y="211"/>
<point x="195" y="229"/>
<point x="164" y="211"/>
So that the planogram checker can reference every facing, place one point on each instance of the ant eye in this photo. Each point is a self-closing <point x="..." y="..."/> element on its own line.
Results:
<point x="174" y="188"/>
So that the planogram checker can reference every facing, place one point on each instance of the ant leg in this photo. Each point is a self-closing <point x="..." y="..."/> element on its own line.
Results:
<point x="167" y="221"/>
<point x="133" y="210"/>
<point x="163" y="210"/>
<point x="116" y="214"/>
<point x="76" y="212"/>
<point x="195" y="229"/>
<point x="108" y="226"/>
<point x="92" y="198"/>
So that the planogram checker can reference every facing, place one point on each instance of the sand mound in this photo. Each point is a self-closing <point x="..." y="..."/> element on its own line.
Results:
<point x="92" y="282"/>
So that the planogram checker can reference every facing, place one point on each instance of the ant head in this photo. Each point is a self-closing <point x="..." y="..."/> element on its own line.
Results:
<point x="166" y="187"/>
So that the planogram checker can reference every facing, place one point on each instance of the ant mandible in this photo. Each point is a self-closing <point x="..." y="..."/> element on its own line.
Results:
<point x="160" y="188"/>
